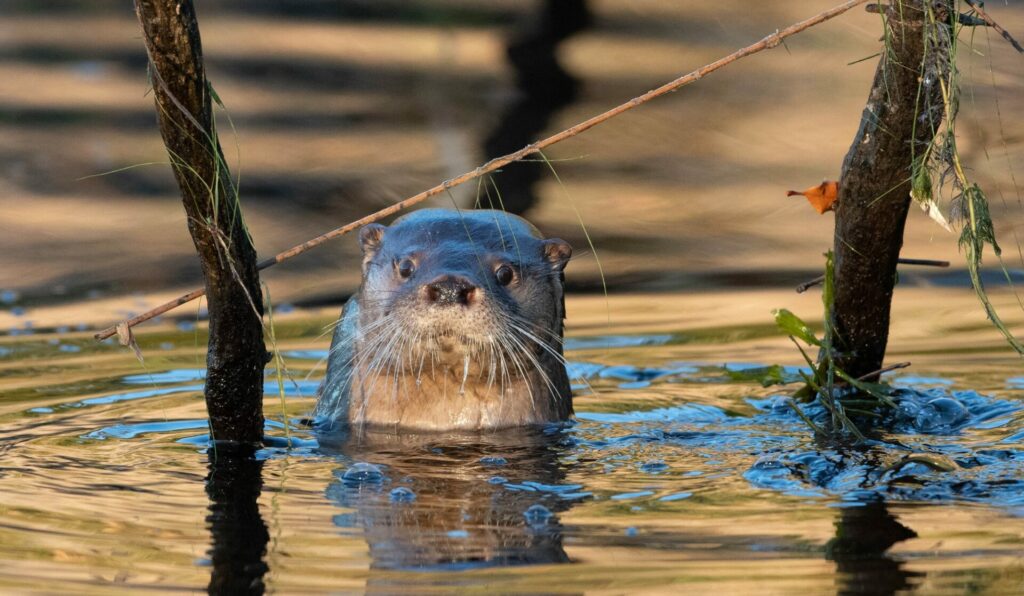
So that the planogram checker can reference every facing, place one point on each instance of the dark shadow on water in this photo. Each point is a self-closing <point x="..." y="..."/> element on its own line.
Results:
<point x="239" y="534"/>
<point x="452" y="502"/>
<point x="863" y="535"/>
<point x="544" y="87"/>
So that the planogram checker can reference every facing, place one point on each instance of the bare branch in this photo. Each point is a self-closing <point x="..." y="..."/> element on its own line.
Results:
<point x="800" y="289"/>
<point x="991" y="23"/>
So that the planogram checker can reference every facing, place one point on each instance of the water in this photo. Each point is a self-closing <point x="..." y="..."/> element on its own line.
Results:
<point x="683" y="471"/>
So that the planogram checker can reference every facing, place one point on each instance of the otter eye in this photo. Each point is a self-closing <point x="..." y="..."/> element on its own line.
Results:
<point x="406" y="268"/>
<point x="504" y="275"/>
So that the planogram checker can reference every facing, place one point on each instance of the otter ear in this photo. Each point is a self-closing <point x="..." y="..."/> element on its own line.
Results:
<point x="557" y="252"/>
<point x="369" y="238"/>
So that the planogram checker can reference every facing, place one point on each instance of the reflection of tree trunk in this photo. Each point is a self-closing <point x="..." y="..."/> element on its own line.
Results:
<point x="238" y="532"/>
<point x="544" y="87"/>
<point x="900" y="118"/>
<point x="863" y="534"/>
<point x="236" y="356"/>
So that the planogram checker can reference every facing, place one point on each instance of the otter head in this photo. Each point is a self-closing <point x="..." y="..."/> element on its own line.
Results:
<point x="463" y="290"/>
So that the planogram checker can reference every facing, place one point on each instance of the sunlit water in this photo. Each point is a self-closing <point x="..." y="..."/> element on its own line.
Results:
<point x="683" y="471"/>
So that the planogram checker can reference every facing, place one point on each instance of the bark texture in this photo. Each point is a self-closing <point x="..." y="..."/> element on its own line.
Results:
<point x="237" y="354"/>
<point x="899" y="120"/>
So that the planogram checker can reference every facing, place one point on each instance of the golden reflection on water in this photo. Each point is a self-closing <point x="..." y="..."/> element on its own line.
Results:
<point x="97" y="493"/>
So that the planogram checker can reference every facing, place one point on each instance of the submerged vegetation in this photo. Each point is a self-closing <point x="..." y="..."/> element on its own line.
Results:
<point x="841" y="394"/>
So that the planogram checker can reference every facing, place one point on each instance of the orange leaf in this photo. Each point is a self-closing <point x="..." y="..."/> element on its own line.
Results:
<point x="821" y="197"/>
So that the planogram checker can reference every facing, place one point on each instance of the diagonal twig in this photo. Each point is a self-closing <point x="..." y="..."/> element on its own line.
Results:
<point x="766" y="43"/>
<point x="992" y="23"/>
<point x="884" y="369"/>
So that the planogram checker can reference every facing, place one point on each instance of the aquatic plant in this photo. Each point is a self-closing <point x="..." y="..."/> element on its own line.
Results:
<point x="840" y="393"/>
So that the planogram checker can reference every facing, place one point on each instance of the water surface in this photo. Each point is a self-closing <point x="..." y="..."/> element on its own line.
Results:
<point x="683" y="471"/>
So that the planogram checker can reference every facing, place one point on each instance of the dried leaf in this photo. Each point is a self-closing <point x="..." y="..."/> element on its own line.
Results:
<point x="932" y="209"/>
<point x="821" y="197"/>
<point x="126" y="338"/>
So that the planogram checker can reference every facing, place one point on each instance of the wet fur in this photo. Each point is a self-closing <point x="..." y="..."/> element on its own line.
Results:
<point x="399" y="360"/>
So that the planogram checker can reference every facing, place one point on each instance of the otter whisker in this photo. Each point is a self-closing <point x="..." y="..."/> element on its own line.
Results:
<point x="557" y="355"/>
<point x="465" y="374"/>
<point x="526" y="324"/>
<point x="419" y="373"/>
<point x="381" y="357"/>
<point x="492" y="367"/>
<point x="343" y="386"/>
<point x="522" y="373"/>
<point x="533" y="359"/>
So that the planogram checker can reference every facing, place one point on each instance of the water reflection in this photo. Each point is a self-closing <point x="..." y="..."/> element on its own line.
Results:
<point x="239" y="534"/>
<point x="543" y="88"/>
<point x="863" y="535"/>
<point x="450" y="501"/>
<point x="702" y="479"/>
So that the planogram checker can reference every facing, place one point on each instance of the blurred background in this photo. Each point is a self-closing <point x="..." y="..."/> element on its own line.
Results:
<point x="338" y="108"/>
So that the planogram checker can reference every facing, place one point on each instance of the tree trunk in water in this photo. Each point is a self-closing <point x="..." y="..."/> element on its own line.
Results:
<point x="900" y="119"/>
<point x="236" y="354"/>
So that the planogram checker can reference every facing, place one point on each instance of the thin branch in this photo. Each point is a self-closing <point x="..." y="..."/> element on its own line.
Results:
<point x="800" y="289"/>
<point x="923" y="262"/>
<point x="884" y="369"/>
<point x="991" y="23"/>
<point x="766" y="43"/>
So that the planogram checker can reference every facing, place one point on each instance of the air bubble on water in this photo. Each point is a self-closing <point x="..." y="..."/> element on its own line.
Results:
<point x="940" y="413"/>
<point x="402" y="495"/>
<point x="538" y="515"/>
<point x="362" y="473"/>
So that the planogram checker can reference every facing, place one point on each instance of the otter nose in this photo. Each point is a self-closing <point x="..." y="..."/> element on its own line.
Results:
<point x="450" y="290"/>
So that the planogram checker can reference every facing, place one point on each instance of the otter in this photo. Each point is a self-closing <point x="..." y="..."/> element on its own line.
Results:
<point x="457" y="325"/>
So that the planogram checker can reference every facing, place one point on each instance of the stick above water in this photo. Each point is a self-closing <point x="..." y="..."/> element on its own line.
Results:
<point x="766" y="43"/>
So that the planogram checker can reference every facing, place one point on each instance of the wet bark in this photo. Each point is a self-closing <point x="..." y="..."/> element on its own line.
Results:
<point x="236" y="354"/>
<point x="899" y="120"/>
